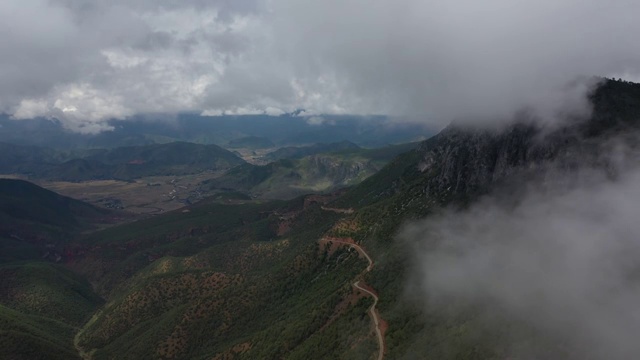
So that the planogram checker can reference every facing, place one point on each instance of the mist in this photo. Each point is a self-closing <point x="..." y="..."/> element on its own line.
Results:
<point x="442" y="60"/>
<point x="563" y="257"/>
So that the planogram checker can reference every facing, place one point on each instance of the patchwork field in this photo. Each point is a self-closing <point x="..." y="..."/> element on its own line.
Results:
<point x="150" y="195"/>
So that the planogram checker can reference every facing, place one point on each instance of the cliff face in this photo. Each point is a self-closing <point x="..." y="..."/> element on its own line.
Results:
<point x="453" y="170"/>
<point x="467" y="163"/>
<point x="340" y="171"/>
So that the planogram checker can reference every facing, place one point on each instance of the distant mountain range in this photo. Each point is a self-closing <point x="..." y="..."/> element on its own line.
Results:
<point x="303" y="170"/>
<point x="369" y="131"/>
<point x="124" y="163"/>
<point x="280" y="279"/>
<point x="296" y="152"/>
<point x="250" y="142"/>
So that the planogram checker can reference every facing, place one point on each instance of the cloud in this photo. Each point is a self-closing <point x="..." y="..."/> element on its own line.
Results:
<point x="564" y="257"/>
<point x="319" y="120"/>
<point x="434" y="60"/>
<point x="446" y="59"/>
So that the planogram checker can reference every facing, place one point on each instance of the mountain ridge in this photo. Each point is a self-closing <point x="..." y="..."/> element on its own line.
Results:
<point x="250" y="280"/>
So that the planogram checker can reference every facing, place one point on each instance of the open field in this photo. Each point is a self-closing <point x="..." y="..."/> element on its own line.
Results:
<point x="150" y="195"/>
<point x="254" y="156"/>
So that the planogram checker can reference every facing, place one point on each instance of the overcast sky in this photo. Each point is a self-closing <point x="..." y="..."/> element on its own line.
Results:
<point x="85" y="61"/>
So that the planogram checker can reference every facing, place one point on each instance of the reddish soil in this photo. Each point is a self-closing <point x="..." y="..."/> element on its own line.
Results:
<point x="334" y="244"/>
<point x="343" y="305"/>
<point x="339" y="211"/>
<point x="361" y="289"/>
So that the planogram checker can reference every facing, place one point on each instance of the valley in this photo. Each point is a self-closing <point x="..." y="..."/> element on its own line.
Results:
<point x="319" y="180"/>
<point x="260" y="262"/>
<point x="296" y="171"/>
<point x="148" y="195"/>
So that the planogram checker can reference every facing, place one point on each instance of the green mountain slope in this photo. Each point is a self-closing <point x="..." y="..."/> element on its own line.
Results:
<point x="250" y="142"/>
<point x="175" y="158"/>
<point x="296" y="152"/>
<point x="35" y="221"/>
<point x="252" y="281"/>
<point x="33" y="337"/>
<point x="454" y="169"/>
<point x="220" y="279"/>
<point x="23" y="201"/>
<point x="41" y="307"/>
<point x="42" y="304"/>
<point x="287" y="178"/>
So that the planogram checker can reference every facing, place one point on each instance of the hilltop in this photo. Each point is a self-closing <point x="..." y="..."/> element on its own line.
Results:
<point x="32" y="218"/>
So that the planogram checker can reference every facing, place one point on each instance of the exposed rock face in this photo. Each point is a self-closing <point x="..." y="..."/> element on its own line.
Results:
<point x="340" y="172"/>
<point x="470" y="162"/>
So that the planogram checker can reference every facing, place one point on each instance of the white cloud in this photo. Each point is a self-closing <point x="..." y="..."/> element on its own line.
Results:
<point x="319" y="120"/>
<point x="432" y="59"/>
<point x="562" y="257"/>
<point x="29" y="108"/>
<point x="272" y="111"/>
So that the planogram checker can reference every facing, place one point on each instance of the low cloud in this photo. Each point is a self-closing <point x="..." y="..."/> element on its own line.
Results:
<point x="564" y="257"/>
<point x="441" y="60"/>
<point x="319" y="120"/>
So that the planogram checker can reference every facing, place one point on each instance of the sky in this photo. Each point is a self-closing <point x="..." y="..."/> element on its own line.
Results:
<point x="87" y="61"/>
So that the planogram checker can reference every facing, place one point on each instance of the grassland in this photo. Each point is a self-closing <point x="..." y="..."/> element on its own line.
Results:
<point x="42" y="306"/>
<point x="149" y="195"/>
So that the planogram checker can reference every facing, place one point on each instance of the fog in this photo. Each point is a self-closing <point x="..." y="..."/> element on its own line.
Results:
<point x="564" y="257"/>
<point x="434" y="61"/>
<point x="447" y="59"/>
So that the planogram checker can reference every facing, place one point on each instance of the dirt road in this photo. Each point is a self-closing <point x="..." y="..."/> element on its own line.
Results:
<point x="376" y="319"/>
<point x="336" y="210"/>
<point x="372" y="310"/>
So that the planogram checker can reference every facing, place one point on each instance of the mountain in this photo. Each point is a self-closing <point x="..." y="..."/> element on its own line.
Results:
<point x="41" y="307"/>
<point x="250" y="142"/>
<point x="346" y="165"/>
<point x="36" y="224"/>
<point x="219" y="280"/>
<point x="294" y="299"/>
<point x="125" y="163"/>
<point x="478" y="160"/>
<point x="327" y="276"/>
<point x="42" y="303"/>
<point x="32" y="213"/>
<point x="288" y="129"/>
<point x="454" y="170"/>
<point x="296" y="152"/>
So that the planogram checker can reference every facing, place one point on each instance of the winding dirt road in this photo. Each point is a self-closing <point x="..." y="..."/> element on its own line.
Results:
<point x="376" y="319"/>
<point x="372" y="310"/>
<point x="337" y="210"/>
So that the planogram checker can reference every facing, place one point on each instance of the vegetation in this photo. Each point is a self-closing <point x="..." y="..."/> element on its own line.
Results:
<point x="124" y="163"/>
<point x="42" y="304"/>
<point x="287" y="178"/>
<point x="297" y="152"/>
<point x="251" y="142"/>
<point x="249" y="280"/>
<point x="285" y="130"/>
<point x="41" y="307"/>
